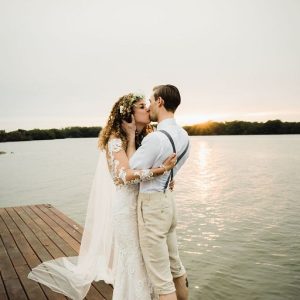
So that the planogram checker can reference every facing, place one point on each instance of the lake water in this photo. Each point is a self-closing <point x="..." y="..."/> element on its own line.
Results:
<point x="238" y="200"/>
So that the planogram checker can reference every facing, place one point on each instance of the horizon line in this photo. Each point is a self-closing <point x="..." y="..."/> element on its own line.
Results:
<point x="194" y="124"/>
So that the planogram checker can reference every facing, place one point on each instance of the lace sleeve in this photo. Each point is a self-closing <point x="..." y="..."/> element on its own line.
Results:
<point x="119" y="165"/>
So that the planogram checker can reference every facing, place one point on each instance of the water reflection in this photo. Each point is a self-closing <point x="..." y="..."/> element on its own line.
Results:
<point x="228" y="222"/>
<point x="203" y="156"/>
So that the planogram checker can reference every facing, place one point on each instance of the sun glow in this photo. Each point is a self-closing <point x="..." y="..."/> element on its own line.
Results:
<point x="201" y="118"/>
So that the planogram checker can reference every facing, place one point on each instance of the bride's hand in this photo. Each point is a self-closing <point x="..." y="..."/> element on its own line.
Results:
<point x="170" y="162"/>
<point x="172" y="184"/>
<point x="129" y="128"/>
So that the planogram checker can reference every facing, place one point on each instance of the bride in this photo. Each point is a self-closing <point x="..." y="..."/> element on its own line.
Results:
<point x="110" y="248"/>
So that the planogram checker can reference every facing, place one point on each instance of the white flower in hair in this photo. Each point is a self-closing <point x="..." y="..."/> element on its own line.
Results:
<point x="121" y="109"/>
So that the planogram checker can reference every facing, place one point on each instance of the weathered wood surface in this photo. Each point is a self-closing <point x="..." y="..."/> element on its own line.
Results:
<point x="30" y="235"/>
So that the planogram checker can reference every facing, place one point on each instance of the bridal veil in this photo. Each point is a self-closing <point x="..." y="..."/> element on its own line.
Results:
<point x="72" y="276"/>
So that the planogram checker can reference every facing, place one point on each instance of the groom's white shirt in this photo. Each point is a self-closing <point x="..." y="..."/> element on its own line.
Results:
<point x="155" y="148"/>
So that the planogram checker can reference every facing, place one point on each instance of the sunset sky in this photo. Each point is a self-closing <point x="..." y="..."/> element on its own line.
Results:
<point x="65" y="62"/>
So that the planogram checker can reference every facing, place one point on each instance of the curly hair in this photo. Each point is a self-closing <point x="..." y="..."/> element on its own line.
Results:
<point x="122" y="110"/>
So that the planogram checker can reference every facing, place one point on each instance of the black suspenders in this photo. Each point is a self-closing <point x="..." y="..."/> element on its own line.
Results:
<point x="178" y="159"/>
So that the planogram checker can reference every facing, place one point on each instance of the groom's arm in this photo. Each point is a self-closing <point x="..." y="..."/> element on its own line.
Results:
<point x="147" y="153"/>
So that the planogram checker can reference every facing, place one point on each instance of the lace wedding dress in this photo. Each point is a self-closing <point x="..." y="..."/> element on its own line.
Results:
<point x="131" y="281"/>
<point x="109" y="248"/>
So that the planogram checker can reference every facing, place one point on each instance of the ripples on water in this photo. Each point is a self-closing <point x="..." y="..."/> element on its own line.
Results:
<point x="237" y="198"/>
<point x="239" y="222"/>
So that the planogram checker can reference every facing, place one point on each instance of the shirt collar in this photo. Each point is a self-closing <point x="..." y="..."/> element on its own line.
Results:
<point x="166" y="122"/>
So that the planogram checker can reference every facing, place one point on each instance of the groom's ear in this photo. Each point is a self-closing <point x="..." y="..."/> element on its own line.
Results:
<point x="161" y="101"/>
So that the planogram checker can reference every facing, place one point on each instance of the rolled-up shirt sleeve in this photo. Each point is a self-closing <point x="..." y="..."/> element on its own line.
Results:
<point x="146" y="155"/>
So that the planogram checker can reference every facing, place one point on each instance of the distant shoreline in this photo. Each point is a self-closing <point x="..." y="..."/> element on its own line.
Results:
<point x="207" y="128"/>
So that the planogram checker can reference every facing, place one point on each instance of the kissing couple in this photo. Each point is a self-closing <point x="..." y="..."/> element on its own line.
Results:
<point x="129" y="238"/>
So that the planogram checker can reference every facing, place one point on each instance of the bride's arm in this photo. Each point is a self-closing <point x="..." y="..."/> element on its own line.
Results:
<point x="119" y="165"/>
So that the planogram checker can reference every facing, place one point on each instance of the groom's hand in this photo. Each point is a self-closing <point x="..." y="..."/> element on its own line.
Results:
<point x="172" y="184"/>
<point x="170" y="162"/>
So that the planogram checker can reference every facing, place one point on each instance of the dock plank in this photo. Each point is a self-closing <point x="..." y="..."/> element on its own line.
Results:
<point x="65" y="218"/>
<point x="71" y="229"/>
<point x="24" y="245"/>
<point x="6" y="267"/>
<point x="11" y="281"/>
<point x="32" y="289"/>
<point x="3" y="294"/>
<point x="30" y="235"/>
<point x="56" y="245"/>
<point x="56" y="232"/>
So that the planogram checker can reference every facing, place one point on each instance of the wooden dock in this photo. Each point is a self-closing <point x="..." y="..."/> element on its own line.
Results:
<point x="30" y="235"/>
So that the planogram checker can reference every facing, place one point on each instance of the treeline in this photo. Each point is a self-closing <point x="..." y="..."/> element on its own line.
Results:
<point x="208" y="128"/>
<point x="48" y="134"/>
<point x="244" y="128"/>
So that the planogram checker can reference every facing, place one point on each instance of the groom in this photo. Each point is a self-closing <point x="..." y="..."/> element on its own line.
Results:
<point x="156" y="204"/>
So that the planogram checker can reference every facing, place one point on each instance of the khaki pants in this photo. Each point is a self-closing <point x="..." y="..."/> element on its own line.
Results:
<point x="157" y="222"/>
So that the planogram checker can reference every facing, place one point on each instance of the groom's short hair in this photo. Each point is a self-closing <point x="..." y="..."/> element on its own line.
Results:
<point x="170" y="94"/>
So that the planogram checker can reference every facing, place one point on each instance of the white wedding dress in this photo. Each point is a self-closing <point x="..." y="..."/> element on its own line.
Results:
<point x="131" y="280"/>
<point x="109" y="248"/>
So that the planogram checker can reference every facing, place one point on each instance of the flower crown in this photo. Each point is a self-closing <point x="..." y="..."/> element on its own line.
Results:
<point x="125" y="108"/>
